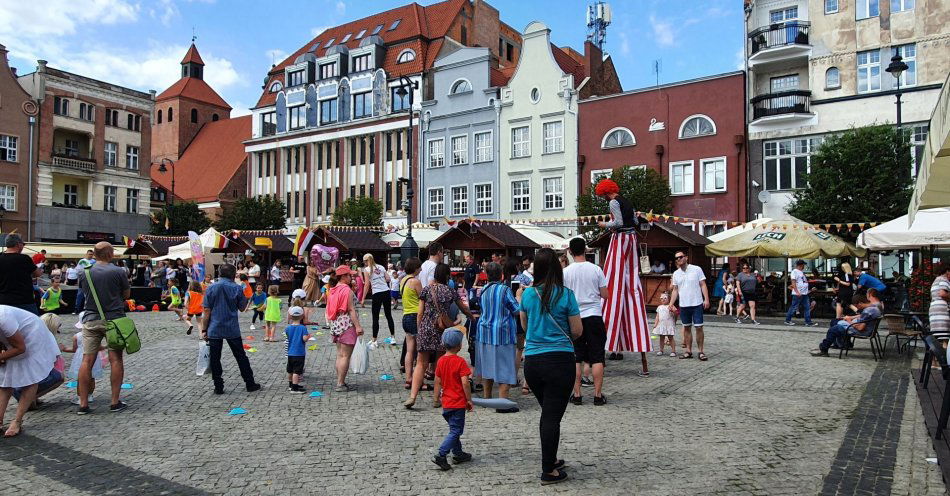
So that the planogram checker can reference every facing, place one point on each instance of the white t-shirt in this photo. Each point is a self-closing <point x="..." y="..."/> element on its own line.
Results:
<point x="377" y="279"/>
<point x="687" y="285"/>
<point x="801" y="282"/>
<point x="585" y="280"/>
<point x="275" y="273"/>
<point x="427" y="272"/>
<point x="72" y="273"/>
<point x="253" y="273"/>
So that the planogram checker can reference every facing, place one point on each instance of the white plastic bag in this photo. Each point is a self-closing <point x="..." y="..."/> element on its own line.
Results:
<point x="359" y="361"/>
<point x="204" y="358"/>
<point x="101" y="359"/>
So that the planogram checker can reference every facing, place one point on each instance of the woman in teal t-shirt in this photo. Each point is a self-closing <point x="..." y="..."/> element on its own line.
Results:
<point x="552" y="320"/>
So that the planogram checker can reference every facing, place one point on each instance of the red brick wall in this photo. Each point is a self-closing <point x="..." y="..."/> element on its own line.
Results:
<point x="14" y="122"/>
<point x="603" y="76"/>
<point x="170" y="139"/>
<point x="721" y="99"/>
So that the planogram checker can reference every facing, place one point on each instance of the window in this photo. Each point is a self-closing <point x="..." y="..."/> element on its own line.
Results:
<point x="483" y="199"/>
<point x="295" y="78"/>
<point x="553" y="136"/>
<point x="436" y="202"/>
<point x="268" y="123"/>
<point x="483" y="147"/>
<point x="909" y="54"/>
<point x="901" y="5"/>
<point x="276" y="86"/>
<point x="8" y="148"/>
<point x="70" y="195"/>
<point x="535" y="95"/>
<point x="112" y="117"/>
<point x="618" y="137"/>
<point x="71" y="147"/>
<point x="328" y="111"/>
<point x="329" y="43"/>
<point x="509" y="51"/>
<point x="461" y="86"/>
<point x="832" y="78"/>
<point x="783" y="83"/>
<point x="360" y="34"/>
<point x="695" y="126"/>
<point x="831" y="6"/>
<point x="109" y="195"/>
<point x="918" y="138"/>
<point x="60" y="106"/>
<point x="866" y="8"/>
<point x="131" y="119"/>
<point x="378" y="28"/>
<point x="400" y="102"/>
<point x="328" y="70"/>
<point x="159" y="116"/>
<point x="553" y="192"/>
<point x="132" y="157"/>
<point x="362" y="105"/>
<point x="346" y="38"/>
<point x="459" y="200"/>
<point x="132" y="201"/>
<point x="394" y="25"/>
<point x="521" y="195"/>
<point x="297" y="117"/>
<point x="214" y="117"/>
<point x="436" y="153"/>
<point x="406" y="55"/>
<point x="520" y="142"/>
<point x="681" y="178"/>
<point x="460" y="150"/>
<point x="170" y="115"/>
<point x="8" y="196"/>
<point x="111" y="152"/>
<point x="869" y="71"/>
<point x="787" y="161"/>
<point x="597" y="174"/>
<point x="782" y="15"/>
<point x="87" y="111"/>
<point x="194" y="116"/>
<point x="360" y="63"/>
<point x="713" y="174"/>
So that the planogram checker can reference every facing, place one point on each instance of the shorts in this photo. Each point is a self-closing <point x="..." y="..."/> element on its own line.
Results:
<point x="51" y="382"/>
<point x="93" y="332"/>
<point x="348" y="337"/>
<point x="692" y="316"/>
<point x="748" y="296"/>
<point x="295" y="364"/>
<point x="589" y="348"/>
<point x="194" y="315"/>
<point x="410" y="324"/>
<point x="394" y="294"/>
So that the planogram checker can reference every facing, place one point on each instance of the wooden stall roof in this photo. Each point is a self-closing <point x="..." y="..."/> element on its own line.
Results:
<point x="484" y="235"/>
<point x="143" y="247"/>
<point x="280" y="241"/>
<point x="661" y="235"/>
<point x="350" y="241"/>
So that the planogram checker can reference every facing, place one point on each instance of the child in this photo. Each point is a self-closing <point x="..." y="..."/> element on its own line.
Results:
<point x="258" y="303"/>
<point x="207" y="282"/>
<point x="394" y="291"/>
<point x="297" y="337"/>
<point x="175" y="295"/>
<point x="665" y="326"/>
<point x="460" y="287"/>
<point x="77" y="351"/>
<point x="729" y="299"/>
<point x="452" y="386"/>
<point x="271" y="312"/>
<point x="193" y="304"/>
<point x="51" y="300"/>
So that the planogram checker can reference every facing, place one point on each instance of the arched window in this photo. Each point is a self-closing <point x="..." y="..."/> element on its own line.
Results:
<point x="617" y="137"/>
<point x="461" y="86"/>
<point x="159" y="116"/>
<point x="276" y="86"/>
<point x="170" y="114"/>
<point x="131" y="122"/>
<point x="406" y="55"/>
<point x="697" y="125"/>
<point x="832" y="78"/>
<point x="194" y="115"/>
<point x="214" y="117"/>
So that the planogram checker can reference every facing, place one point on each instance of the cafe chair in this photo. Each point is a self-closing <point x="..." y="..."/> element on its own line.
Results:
<point x="869" y="333"/>
<point x="897" y="326"/>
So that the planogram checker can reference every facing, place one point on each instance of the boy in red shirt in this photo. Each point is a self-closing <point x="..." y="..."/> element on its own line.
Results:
<point x="451" y="382"/>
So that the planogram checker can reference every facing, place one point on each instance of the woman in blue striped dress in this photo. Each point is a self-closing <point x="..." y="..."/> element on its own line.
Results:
<point x="496" y="336"/>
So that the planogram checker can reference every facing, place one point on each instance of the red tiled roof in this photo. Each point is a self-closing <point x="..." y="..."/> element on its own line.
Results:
<point x="192" y="56"/>
<point x="569" y="65"/>
<point x="210" y="161"/>
<point x="194" y="89"/>
<point x="500" y="77"/>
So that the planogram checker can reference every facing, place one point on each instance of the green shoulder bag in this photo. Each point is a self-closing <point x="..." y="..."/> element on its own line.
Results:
<point x="121" y="333"/>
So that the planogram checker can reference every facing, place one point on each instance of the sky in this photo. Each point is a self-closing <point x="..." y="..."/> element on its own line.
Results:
<point x="139" y="44"/>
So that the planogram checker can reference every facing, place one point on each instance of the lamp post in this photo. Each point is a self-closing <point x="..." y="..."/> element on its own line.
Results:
<point x="896" y="68"/>
<point x="163" y="169"/>
<point x="409" y="246"/>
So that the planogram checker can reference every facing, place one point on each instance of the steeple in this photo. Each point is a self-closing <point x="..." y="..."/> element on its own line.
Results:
<point x="192" y="65"/>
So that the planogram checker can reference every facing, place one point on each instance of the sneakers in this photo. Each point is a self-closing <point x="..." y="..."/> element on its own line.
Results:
<point x="253" y="387"/>
<point x="83" y="410"/>
<point x="296" y="389"/>
<point x="553" y="479"/>
<point x="600" y="400"/>
<point x="587" y="381"/>
<point x="755" y="322"/>
<point x="219" y="390"/>
<point x="253" y="327"/>
<point x="738" y="320"/>
<point x="789" y="323"/>
<point x="344" y="388"/>
<point x="442" y="462"/>
<point x="373" y="345"/>
<point x="812" y="324"/>
<point x="464" y="457"/>
<point x="75" y="400"/>
<point x="577" y="400"/>
<point x="118" y="407"/>
<point x="190" y="328"/>
<point x="819" y="353"/>
<point x="513" y="409"/>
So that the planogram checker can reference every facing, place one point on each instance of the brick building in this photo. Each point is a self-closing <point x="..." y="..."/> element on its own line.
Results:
<point x="16" y="114"/>
<point x="696" y="142"/>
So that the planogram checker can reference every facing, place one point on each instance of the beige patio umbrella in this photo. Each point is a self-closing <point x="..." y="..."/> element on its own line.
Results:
<point x="789" y="239"/>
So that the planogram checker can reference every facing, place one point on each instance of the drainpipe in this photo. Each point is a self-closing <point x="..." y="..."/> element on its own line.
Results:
<point x="29" y="205"/>
<point x="570" y="96"/>
<point x="496" y="142"/>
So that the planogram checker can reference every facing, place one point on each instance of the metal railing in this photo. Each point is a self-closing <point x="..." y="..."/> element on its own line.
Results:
<point x="783" y="102"/>
<point x="75" y="163"/>
<point x="780" y="34"/>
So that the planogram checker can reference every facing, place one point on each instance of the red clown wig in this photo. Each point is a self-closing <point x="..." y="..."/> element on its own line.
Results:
<point x="606" y="187"/>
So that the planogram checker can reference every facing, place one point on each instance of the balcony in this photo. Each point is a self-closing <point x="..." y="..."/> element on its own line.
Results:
<point x="73" y="162"/>
<point x="784" y="106"/>
<point x="781" y="42"/>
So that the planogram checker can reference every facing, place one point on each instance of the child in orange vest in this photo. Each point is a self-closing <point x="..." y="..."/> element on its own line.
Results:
<point x="193" y="304"/>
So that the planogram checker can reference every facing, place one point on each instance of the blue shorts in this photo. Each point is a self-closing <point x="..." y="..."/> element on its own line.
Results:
<point x="410" y="324"/>
<point x="692" y="316"/>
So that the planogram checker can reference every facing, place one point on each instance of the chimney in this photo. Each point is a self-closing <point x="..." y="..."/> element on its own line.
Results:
<point x="152" y="93"/>
<point x="593" y="57"/>
<point x="40" y="65"/>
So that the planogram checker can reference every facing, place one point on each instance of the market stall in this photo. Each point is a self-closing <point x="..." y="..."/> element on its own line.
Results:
<point x="931" y="227"/>
<point x="482" y="239"/>
<point x="353" y="243"/>
<point x="543" y="238"/>
<point x="423" y="234"/>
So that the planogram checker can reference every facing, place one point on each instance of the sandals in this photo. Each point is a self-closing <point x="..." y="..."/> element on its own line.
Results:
<point x="686" y="355"/>
<point x="409" y="403"/>
<point x="426" y="387"/>
<point x="643" y="374"/>
<point x="408" y="385"/>
<point x="430" y="376"/>
<point x="702" y="357"/>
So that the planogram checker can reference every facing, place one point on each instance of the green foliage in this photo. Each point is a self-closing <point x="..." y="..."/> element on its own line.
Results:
<point x="860" y="175"/>
<point x="182" y="217"/>
<point x="259" y="212"/>
<point x="644" y="188"/>
<point x="359" y="211"/>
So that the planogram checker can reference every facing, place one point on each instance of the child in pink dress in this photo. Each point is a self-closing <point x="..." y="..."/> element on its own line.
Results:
<point x="665" y="326"/>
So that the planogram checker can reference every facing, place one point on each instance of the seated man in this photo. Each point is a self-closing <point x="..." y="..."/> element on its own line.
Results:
<point x="854" y="325"/>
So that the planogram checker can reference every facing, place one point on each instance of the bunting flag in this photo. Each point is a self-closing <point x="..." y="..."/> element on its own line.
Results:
<point x="220" y="241"/>
<point x="128" y="242"/>
<point x="304" y="236"/>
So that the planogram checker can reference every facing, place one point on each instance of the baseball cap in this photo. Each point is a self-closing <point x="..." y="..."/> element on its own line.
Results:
<point x="298" y="293"/>
<point x="295" y="311"/>
<point x="451" y="338"/>
<point x="343" y="270"/>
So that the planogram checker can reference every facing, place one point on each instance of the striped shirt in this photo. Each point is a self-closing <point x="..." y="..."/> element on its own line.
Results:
<point x="939" y="319"/>
<point x="497" y="322"/>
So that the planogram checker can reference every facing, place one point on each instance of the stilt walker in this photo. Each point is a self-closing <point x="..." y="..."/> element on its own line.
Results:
<point x="625" y="312"/>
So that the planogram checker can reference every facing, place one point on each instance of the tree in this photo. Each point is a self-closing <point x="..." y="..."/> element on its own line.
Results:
<point x="644" y="188"/>
<point x="359" y="211"/>
<point x="182" y="217"/>
<point x="259" y="212"/>
<point x="861" y="175"/>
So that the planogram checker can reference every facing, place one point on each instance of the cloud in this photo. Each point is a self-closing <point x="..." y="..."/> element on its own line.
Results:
<point x="275" y="55"/>
<point x="662" y="32"/>
<point x="340" y="7"/>
<point x="240" y="108"/>
<point x="28" y="19"/>
<point x="740" y="59"/>
<point x="317" y="30"/>
<point x="166" y="12"/>
<point x="624" y="43"/>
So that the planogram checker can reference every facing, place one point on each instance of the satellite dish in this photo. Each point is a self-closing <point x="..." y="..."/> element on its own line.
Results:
<point x="765" y="196"/>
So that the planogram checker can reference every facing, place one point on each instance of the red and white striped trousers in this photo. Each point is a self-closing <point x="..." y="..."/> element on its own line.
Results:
<point x="625" y="313"/>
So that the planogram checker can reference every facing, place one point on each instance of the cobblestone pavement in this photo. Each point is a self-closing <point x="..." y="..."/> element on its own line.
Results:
<point x="760" y="417"/>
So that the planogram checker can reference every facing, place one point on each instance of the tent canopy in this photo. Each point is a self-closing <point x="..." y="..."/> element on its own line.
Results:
<point x="728" y="233"/>
<point x="798" y="240"/>
<point x="541" y="237"/>
<point x="66" y="251"/>
<point x="932" y="188"/>
<point x="423" y="234"/>
<point x="931" y="227"/>
<point x="183" y="250"/>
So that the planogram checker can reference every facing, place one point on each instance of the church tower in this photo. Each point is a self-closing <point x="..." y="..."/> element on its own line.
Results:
<point x="183" y="108"/>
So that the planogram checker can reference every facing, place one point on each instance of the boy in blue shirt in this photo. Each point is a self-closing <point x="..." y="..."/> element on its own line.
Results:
<point x="297" y="337"/>
<point x="867" y="281"/>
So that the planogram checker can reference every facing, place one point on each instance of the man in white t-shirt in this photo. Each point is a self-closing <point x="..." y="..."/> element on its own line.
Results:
<point x="689" y="285"/>
<point x="800" y="297"/>
<point x="427" y="272"/>
<point x="589" y="285"/>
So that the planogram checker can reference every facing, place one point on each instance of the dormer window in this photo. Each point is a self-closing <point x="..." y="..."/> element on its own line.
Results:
<point x="360" y="34"/>
<point x="276" y="86"/>
<point x="394" y="25"/>
<point x="346" y="38"/>
<point x="328" y="70"/>
<point x="378" y="29"/>
<point x="361" y="63"/>
<point x="406" y="55"/>
<point x="329" y="43"/>
<point x="295" y="78"/>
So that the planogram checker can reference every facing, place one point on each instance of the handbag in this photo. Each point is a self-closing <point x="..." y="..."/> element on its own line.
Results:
<point x="645" y="267"/>
<point x="121" y="333"/>
<point x="442" y="320"/>
<point x="341" y="324"/>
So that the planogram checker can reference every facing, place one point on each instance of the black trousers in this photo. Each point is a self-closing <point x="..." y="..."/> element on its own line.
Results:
<point x="257" y="315"/>
<point x="551" y="378"/>
<point x="237" y="349"/>
<point x="384" y="300"/>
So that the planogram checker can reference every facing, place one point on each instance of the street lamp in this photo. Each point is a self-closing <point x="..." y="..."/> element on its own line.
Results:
<point x="896" y="68"/>
<point x="409" y="246"/>
<point x="163" y="169"/>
